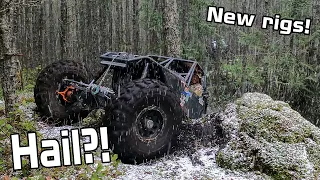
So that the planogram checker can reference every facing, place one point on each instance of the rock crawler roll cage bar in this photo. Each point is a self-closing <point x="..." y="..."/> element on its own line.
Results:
<point x="121" y="59"/>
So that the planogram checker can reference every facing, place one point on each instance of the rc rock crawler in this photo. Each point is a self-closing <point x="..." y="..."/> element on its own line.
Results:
<point x="145" y="105"/>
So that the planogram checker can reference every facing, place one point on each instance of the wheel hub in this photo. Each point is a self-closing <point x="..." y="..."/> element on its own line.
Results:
<point x="150" y="122"/>
<point x="67" y="93"/>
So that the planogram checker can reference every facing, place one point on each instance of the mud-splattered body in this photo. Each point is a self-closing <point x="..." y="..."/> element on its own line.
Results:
<point x="175" y="73"/>
<point x="148" y="99"/>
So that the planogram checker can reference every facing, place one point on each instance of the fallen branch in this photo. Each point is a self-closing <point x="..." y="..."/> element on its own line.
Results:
<point x="9" y="55"/>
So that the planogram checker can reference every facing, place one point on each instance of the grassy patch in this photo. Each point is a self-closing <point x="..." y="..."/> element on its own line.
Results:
<point x="28" y="78"/>
<point x="1" y="92"/>
<point x="85" y="172"/>
<point x="17" y="122"/>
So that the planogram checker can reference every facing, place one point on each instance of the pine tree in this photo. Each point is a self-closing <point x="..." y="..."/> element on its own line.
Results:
<point x="8" y="55"/>
<point x="171" y="29"/>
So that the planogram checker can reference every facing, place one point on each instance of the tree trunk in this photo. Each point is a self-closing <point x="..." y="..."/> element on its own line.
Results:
<point x="135" y="22"/>
<point x="118" y="26"/>
<point x="171" y="30"/>
<point x="185" y="21"/>
<point x="63" y="26"/>
<point x="128" y="22"/>
<point x="155" y="42"/>
<point x="8" y="56"/>
<point x="110" y="28"/>
<point x="123" y="26"/>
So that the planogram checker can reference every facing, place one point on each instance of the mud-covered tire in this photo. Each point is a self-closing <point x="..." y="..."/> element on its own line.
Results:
<point x="126" y="129"/>
<point x="47" y="83"/>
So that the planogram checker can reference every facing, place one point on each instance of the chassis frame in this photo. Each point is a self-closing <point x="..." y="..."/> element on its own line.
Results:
<point x="128" y="67"/>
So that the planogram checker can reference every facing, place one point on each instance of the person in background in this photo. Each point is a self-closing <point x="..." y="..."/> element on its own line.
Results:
<point x="195" y="85"/>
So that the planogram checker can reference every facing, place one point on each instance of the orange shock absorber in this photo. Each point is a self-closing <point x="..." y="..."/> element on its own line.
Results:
<point x="66" y="94"/>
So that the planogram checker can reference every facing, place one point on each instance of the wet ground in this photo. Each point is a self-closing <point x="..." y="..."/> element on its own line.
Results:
<point x="193" y="159"/>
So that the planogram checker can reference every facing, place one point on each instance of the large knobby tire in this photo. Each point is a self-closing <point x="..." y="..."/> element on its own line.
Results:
<point x="48" y="103"/>
<point x="132" y="134"/>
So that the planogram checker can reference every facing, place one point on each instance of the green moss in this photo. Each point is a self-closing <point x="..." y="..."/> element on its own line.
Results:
<point x="317" y="173"/>
<point x="277" y="173"/>
<point x="260" y="106"/>
<point x="220" y="160"/>
<point x="314" y="154"/>
<point x="277" y="108"/>
<point x="281" y="176"/>
<point x="269" y="127"/>
<point x="228" y="160"/>
<point x="244" y="114"/>
<point x="273" y="106"/>
<point x="2" y="109"/>
<point x="239" y="102"/>
<point x="262" y="126"/>
<point x="283" y="129"/>
<point x="15" y="123"/>
<point x="223" y="162"/>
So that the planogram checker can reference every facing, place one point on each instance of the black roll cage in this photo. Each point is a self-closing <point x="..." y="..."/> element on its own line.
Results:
<point x="121" y="59"/>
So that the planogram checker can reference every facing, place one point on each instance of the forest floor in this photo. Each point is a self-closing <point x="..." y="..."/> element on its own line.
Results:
<point x="198" y="163"/>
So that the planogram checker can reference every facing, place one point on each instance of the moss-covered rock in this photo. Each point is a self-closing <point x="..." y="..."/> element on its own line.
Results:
<point x="94" y="118"/>
<point x="267" y="135"/>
